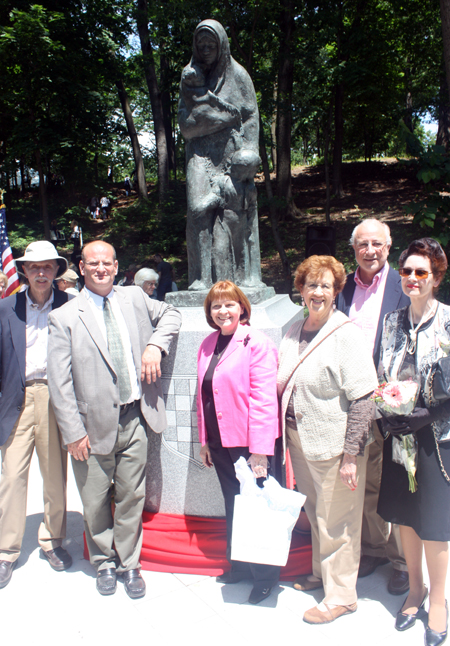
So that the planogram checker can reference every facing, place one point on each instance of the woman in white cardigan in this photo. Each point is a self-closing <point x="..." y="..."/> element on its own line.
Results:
<point x="325" y="377"/>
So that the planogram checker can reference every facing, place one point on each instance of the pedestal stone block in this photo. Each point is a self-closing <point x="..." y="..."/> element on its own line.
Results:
<point x="177" y="481"/>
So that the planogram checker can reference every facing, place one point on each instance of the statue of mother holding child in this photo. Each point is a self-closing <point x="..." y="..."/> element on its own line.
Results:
<point x="219" y="119"/>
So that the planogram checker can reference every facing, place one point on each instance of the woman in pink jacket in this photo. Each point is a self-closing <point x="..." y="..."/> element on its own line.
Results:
<point x="237" y="410"/>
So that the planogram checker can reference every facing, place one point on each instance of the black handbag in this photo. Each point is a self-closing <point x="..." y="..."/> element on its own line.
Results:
<point x="440" y="379"/>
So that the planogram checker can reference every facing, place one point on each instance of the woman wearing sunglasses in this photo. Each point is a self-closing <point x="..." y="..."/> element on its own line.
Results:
<point x="413" y="339"/>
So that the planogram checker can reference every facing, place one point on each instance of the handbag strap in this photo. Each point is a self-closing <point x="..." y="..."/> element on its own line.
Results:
<point x="308" y="353"/>
<point x="441" y="464"/>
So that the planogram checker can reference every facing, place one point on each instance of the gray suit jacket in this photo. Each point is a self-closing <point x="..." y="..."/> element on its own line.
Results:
<point x="83" y="386"/>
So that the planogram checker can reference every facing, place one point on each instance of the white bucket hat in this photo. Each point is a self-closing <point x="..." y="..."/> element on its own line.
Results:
<point x="40" y="251"/>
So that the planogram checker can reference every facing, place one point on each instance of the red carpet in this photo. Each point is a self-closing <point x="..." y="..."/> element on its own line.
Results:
<point x="197" y="545"/>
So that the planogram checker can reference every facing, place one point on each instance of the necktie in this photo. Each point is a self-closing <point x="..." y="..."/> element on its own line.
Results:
<point x="116" y="351"/>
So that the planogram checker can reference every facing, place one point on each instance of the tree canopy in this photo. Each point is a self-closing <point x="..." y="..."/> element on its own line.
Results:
<point x="333" y="79"/>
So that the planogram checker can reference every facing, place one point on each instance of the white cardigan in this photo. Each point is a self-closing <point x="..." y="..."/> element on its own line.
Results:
<point x="336" y="372"/>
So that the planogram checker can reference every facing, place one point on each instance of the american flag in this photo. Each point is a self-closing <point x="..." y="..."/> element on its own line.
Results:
<point x="7" y="265"/>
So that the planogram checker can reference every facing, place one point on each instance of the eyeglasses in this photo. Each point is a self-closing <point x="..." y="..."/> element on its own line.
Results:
<point x="364" y="246"/>
<point x="420" y="273"/>
<point x="311" y="287"/>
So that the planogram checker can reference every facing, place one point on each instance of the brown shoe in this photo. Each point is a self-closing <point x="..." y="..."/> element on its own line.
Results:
<point x="58" y="558"/>
<point x="316" y="616"/>
<point x="303" y="584"/>
<point x="368" y="564"/>
<point x="399" y="582"/>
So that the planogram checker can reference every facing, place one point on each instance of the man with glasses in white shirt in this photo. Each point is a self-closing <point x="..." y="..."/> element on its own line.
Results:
<point x="27" y="420"/>
<point x="369" y="294"/>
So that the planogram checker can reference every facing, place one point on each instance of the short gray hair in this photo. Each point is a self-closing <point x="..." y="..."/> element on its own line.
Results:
<point x="371" y="221"/>
<point x="145" y="274"/>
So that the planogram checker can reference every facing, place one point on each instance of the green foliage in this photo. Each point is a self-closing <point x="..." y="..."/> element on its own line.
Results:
<point x="20" y="237"/>
<point x="432" y="212"/>
<point x="146" y="227"/>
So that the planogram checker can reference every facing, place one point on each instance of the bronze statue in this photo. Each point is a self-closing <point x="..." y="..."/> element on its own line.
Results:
<point x="218" y="117"/>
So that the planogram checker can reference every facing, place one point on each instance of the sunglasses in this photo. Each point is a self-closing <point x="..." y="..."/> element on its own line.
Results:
<point x="420" y="273"/>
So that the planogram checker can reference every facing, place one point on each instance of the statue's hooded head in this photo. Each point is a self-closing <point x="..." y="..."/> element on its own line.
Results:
<point x="211" y="49"/>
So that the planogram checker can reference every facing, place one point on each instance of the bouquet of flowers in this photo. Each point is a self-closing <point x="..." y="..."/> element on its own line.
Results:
<point x="395" y="398"/>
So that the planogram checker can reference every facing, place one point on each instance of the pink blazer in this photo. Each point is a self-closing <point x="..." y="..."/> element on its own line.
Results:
<point x="245" y="392"/>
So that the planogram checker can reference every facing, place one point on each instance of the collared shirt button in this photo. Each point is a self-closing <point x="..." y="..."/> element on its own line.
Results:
<point x="294" y="390"/>
<point x="219" y="415"/>
<point x="216" y="391"/>
<point x="298" y="416"/>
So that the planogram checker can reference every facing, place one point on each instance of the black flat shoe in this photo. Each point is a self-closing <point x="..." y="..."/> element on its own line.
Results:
<point x="404" y="621"/>
<point x="106" y="581"/>
<point x="6" y="570"/>
<point x="134" y="584"/>
<point x="259" y="593"/>
<point x="232" y="577"/>
<point x="432" y="638"/>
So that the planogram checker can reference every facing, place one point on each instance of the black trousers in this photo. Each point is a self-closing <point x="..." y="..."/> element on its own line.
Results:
<point x="224" y="459"/>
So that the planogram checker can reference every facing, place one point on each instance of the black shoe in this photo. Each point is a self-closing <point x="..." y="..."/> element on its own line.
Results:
<point x="232" y="576"/>
<point x="106" y="581"/>
<point x="134" y="584"/>
<point x="398" y="582"/>
<point x="432" y="638"/>
<point x="6" y="570"/>
<point x="58" y="558"/>
<point x="369" y="564"/>
<point x="404" y="621"/>
<point x="259" y="593"/>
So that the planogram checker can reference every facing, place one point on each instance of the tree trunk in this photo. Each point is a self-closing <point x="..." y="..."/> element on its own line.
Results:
<point x="284" y="109"/>
<point x="327" y="165"/>
<point x="138" y="161"/>
<point x="42" y="193"/>
<point x="338" y="189"/>
<point x="273" y="130"/>
<point x="155" y="99"/>
<point x="22" y="175"/>
<point x="166" y="105"/>
<point x="273" y="211"/>
<point x="443" y="133"/>
<point x="445" y="19"/>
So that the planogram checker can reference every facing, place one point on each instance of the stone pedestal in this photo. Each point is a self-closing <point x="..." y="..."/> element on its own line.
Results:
<point x="177" y="481"/>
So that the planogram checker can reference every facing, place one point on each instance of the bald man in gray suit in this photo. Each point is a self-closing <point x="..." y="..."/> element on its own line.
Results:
<point x="104" y="373"/>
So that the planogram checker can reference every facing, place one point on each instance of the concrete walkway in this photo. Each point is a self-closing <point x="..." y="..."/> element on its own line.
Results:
<point x="41" y="606"/>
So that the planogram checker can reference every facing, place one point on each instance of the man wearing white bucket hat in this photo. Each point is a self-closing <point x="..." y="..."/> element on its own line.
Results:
<point x="27" y="420"/>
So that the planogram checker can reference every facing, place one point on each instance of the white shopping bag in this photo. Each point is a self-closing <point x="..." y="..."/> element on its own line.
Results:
<point x="263" y="519"/>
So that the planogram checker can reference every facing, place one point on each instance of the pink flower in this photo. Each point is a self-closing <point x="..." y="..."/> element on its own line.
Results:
<point x="392" y="395"/>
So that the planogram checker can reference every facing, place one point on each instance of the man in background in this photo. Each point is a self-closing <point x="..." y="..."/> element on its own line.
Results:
<point x="369" y="294"/>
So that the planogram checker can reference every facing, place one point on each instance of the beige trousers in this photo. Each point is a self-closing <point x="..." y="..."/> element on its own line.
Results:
<point x="335" y="514"/>
<point x="376" y="539"/>
<point x="35" y="428"/>
<point x="115" y="541"/>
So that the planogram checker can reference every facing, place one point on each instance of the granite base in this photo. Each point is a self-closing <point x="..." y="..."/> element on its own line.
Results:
<point x="177" y="481"/>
